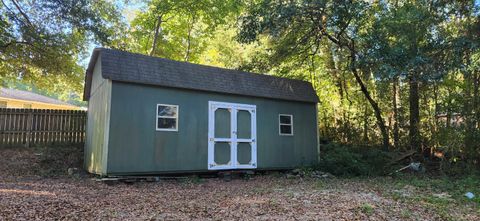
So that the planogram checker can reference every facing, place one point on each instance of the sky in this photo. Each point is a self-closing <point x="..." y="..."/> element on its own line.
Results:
<point x="129" y="9"/>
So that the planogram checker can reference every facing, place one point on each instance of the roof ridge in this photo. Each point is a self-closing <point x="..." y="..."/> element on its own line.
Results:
<point x="203" y="65"/>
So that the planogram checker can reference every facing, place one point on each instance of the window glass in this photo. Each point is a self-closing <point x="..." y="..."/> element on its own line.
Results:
<point x="285" y="129"/>
<point x="167" y="111"/>
<point x="167" y="123"/>
<point x="285" y="119"/>
<point x="167" y="117"/>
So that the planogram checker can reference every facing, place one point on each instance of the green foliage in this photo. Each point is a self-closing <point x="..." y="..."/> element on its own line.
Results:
<point x="455" y="186"/>
<point x="41" y="42"/>
<point x="183" y="28"/>
<point x="367" y="208"/>
<point x="345" y="160"/>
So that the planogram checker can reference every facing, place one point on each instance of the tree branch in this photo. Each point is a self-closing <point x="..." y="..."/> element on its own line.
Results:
<point x="23" y="13"/>
<point x="5" y="46"/>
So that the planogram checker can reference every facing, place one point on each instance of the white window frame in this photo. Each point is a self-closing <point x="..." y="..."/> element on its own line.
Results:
<point x="176" y="118"/>
<point x="282" y="124"/>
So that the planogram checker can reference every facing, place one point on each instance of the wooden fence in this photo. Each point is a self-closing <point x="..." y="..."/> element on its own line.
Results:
<point x="28" y="127"/>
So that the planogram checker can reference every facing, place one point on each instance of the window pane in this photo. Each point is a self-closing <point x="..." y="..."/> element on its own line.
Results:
<point x="285" y="129"/>
<point x="167" y="111"/>
<point x="285" y="119"/>
<point x="166" y="123"/>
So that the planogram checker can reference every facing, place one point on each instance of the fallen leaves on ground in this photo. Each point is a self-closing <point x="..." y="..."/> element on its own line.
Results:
<point x="263" y="197"/>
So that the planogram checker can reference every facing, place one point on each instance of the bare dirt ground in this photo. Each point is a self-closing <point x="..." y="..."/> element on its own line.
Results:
<point x="26" y="195"/>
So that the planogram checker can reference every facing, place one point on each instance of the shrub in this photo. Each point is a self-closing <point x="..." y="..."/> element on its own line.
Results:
<point x="342" y="160"/>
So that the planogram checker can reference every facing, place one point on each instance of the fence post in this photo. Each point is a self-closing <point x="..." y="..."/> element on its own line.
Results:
<point x="29" y="126"/>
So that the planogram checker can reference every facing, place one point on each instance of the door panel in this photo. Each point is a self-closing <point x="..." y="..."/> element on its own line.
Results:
<point x="222" y="153"/>
<point x="222" y="123"/>
<point x="244" y="125"/>
<point x="244" y="153"/>
<point x="231" y="136"/>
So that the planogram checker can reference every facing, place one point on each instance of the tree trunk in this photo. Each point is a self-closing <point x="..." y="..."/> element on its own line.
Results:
<point x="396" y="135"/>
<point x="476" y="100"/>
<point x="373" y="103"/>
<point x="158" y="26"/>
<point x="189" y="37"/>
<point x="435" y="114"/>
<point x="476" y="109"/>
<point x="332" y="66"/>
<point x="376" y="109"/>
<point x="468" y="114"/>
<point x="365" y="124"/>
<point x="414" y="100"/>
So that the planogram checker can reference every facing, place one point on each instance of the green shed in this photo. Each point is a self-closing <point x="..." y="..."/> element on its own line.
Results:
<point x="149" y="115"/>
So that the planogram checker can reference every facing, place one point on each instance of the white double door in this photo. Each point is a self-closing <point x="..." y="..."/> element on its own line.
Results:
<point x="231" y="136"/>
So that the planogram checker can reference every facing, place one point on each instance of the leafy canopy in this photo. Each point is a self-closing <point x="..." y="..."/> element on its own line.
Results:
<point x="42" y="41"/>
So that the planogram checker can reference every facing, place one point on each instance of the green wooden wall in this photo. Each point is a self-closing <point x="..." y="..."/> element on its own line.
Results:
<point x="135" y="147"/>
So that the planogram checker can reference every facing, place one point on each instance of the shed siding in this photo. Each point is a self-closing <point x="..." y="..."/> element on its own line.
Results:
<point x="136" y="147"/>
<point x="97" y="123"/>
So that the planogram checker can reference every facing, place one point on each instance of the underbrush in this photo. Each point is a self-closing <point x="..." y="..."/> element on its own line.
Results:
<point x="342" y="160"/>
<point x="44" y="161"/>
<point x="349" y="160"/>
<point x="456" y="187"/>
<point x="56" y="160"/>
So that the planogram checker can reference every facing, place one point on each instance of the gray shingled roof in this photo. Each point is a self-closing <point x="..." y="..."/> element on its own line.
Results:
<point x="29" y="96"/>
<point x="130" y="67"/>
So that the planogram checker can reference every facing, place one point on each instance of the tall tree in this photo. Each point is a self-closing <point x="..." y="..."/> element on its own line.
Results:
<point x="178" y="29"/>
<point x="407" y="41"/>
<point x="42" y="41"/>
<point x="298" y="28"/>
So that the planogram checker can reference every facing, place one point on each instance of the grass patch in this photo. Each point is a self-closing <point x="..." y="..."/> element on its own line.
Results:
<point x="367" y="209"/>
<point x="320" y="184"/>
<point x="444" y="195"/>
<point x="454" y="186"/>
<point x="406" y="214"/>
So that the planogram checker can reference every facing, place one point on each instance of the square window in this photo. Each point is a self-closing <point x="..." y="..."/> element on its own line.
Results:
<point x="167" y="117"/>
<point x="285" y="124"/>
